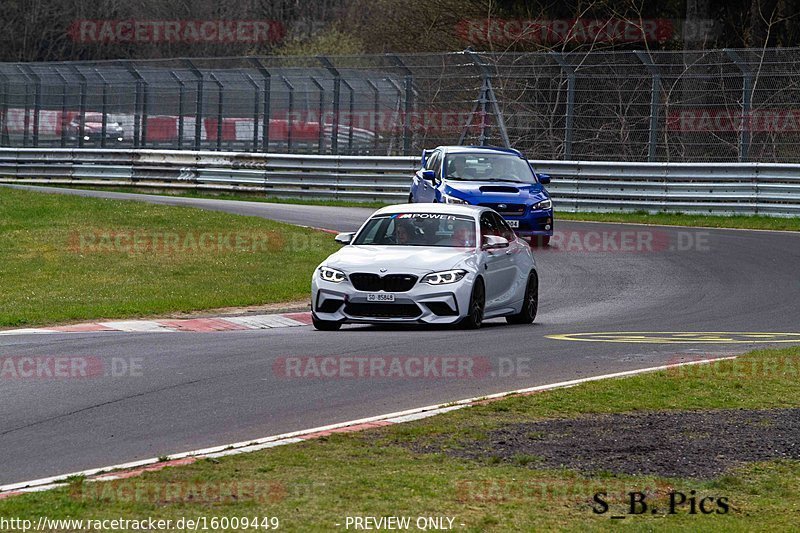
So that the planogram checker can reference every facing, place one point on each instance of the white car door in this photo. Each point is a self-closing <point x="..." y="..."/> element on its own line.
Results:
<point x="499" y="270"/>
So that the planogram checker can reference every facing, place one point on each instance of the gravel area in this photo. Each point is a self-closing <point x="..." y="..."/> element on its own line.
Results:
<point x="686" y="444"/>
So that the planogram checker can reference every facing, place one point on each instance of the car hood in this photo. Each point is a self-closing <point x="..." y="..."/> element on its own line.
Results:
<point x="398" y="259"/>
<point x="497" y="191"/>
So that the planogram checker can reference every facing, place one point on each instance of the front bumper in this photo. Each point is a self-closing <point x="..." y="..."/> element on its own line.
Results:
<point x="534" y="223"/>
<point x="423" y="304"/>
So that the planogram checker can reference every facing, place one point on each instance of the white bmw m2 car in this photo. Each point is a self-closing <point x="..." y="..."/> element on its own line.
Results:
<point x="427" y="263"/>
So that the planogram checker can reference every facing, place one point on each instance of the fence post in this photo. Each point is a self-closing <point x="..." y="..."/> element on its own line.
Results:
<point x="487" y="95"/>
<point x="409" y="104"/>
<point x="4" y="140"/>
<point x="351" y="110"/>
<point x="655" y="103"/>
<point x="104" y="105"/>
<point x="63" y="107"/>
<point x="747" y="94"/>
<point x="337" y="88"/>
<point x="82" y="106"/>
<point x="289" y="114"/>
<point x="257" y="92"/>
<point x="570" y="72"/>
<point x="26" y="120"/>
<point x="37" y="102"/>
<point x="267" y="91"/>
<point x="321" y="140"/>
<point x="139" y="126"/>
<point x="198" y="115"/>
<point x="220" y="109"/>
<point x="181" y="110"/>
<point x="376" y="109"/>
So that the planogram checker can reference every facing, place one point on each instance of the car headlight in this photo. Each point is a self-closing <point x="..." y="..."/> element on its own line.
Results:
<point x="544" y="204"/>
<point x="446" y="276"/>
<point x="453" y="200"/>
<point x="332" y="275"/>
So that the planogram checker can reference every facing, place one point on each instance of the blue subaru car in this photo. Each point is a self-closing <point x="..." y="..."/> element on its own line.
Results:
<point x="499" y="178"/>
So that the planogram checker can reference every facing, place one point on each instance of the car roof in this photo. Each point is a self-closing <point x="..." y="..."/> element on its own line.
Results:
<point x="478" y="149"/>
<point x="448" y="209"/>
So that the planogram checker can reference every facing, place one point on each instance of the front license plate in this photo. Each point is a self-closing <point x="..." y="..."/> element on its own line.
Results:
<point x="379" y="297"/>
<point x="513" y="223"/>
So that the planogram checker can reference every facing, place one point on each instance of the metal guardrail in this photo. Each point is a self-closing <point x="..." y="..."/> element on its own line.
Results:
<point x="702" y="188"/>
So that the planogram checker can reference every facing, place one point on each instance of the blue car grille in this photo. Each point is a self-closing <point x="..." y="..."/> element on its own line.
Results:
<point x="512" y="210"/>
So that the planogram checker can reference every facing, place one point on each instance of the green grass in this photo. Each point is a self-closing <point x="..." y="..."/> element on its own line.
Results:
<point x="241" y="196"/>
<point x="313" y="485"/>
<point x="679" y="219"/>
<point x="640" y="217"/>
<point x="51" y="271"/>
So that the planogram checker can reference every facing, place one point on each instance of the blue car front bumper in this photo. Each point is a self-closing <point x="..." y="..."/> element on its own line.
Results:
<point x="528" y="222"/>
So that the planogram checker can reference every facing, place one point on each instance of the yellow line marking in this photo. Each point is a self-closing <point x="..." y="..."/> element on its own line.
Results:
<point x="679" y="337"/>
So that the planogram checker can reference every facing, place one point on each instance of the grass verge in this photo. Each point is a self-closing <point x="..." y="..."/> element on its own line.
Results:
<point x="240" y="196"/>
<point x="65" y="258"/>
<point x="640" y="217"/>
<point x="682" y="219"/>
<point x="314" y="485"/>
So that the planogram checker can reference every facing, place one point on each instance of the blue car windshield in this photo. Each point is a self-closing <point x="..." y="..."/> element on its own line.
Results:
<point x="488" y="167"/>
<point x="418" y="229"/>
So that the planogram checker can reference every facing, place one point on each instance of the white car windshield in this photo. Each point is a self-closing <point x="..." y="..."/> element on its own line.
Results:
<point x="418" y="229"/>
<point x="491" y="167"/>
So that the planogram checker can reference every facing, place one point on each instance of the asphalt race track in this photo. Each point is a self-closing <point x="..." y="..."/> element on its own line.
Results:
<point x="204" y="389"/>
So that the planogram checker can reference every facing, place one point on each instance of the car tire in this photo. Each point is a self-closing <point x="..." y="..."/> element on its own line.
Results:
<point x="540" y="241"/>
<point x="411" y="198"/>
<point x="324" y="325"/>
<point x="477" y="304"/>
<point x="530" y="305"/>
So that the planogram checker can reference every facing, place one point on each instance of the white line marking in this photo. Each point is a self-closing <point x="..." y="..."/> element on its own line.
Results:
<point x="289" y="438"/>
<point x="137" y="326"/>
<point x="27" y="331"/>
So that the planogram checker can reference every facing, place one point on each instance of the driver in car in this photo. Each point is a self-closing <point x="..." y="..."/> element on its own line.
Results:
<point x="403" y="232"/>
<point x="463" y="237"/>
<point x="458" y="168"/>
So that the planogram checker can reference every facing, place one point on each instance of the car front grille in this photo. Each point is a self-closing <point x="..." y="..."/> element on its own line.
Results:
<point x="514" y="210"/>
<point x="382" y="310"/>
<point x="391" y="283"/>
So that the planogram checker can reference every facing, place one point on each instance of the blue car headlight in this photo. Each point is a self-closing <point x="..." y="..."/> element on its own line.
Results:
<point x="544" y="204"/>
<point x="452" y="200"/>
<point x="444" y="277"/>
<point x="331" y="274"/>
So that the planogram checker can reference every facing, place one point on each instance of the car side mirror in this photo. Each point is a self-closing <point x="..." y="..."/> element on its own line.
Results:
<point x="544" y="179"/>
<point x="344" y="238"/>
<point x="428" y="175"/>
<point x="493" y="242"/>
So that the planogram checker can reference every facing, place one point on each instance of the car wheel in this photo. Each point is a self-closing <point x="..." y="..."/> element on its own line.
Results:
<point x="477" y="302"/>
<point x="540" y="240"/>
<point x="324" y="325"/>
<point x="531" y="304"/>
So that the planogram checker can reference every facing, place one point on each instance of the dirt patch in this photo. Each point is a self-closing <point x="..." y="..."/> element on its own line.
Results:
<point x="687" y="444"/>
